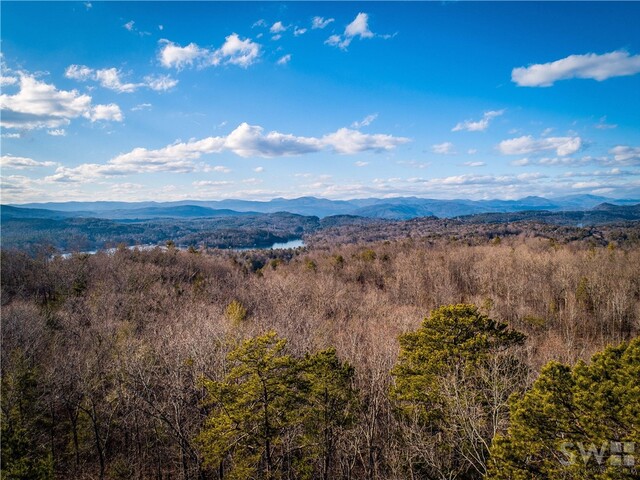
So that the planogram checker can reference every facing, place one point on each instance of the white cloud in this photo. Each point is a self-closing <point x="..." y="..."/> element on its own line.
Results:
<point x="110" y="78"/>
<point x="252" y="181"/>
<point x="58" y="132"/>
<point x="320" y="22"/>
<point x="88" y="5"/>
<point x="245" y="141"/>
<point x="472" y="151"/>
<point x="109" y="113"/>
<point x="173" y="55"/>
<point x="42" y="105"/>
<point x="248" y="141"/>
<point x="299" y="31"/>
<point x="259" y="23"/>
<point x="366" y="121"/>
<point x="10" y="135"/>
<point x="284" y="59"/>
<point x="474" y="164"/>
<point x="79" y="72"/>
<point x="129" y="25"/>
<point x="220" y="169"/>
<point x="276" y="37"/>
<point x="359" y="27"/>
<point x="22" y="163"/>
<point x="480" y="125"/>
<point x="360" y="163"/>
<point x="445" y="148"/>
<point x="160" y="83"/>
<point x="333" y="40"/>
<point x="526" y="144"/>
<point x="237" y="52"/>
<point x="6" y="81"/>
<point x="593" y="66"/>
<point x="277" y="27"/>
<point x="258" y="169"/>
<point x="626" y="155"/>
<point x="141" y="106"/>
<point x="234" y="51"/>
<point x="523" y="162"/>
<point x="612" y="173"/>
<point x="347" y="141"/>
<point x="211" y="183"/>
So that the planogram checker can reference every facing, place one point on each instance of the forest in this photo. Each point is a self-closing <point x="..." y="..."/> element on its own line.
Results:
<point x="485" y="352"/>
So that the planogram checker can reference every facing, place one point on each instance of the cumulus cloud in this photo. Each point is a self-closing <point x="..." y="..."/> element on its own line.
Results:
<point x="173" y="55"/>
<point x="110" y="78"/>
<point x="41" y="105"/>
<point x="479" y="125"/>
<point x="358" y="28"/>
<point x="234" y="51"/>
<point x="527" y="144"/>
<point x="593" y="66"/>
<point x="474" y="164"/>
<point x="277" y="27"/>
<point x="299" y="31"/>
<point x="348" y="141"/>
<point x="22" y="163"/>
<point x="320" y="22"/>
<point x="58" y="132"/>
<point x="109" y="113"/>
<point x="237" y="52"/>
<point x="245" y="141"/>
<point x="249" y="140"/>
<point x="445" y="148"/>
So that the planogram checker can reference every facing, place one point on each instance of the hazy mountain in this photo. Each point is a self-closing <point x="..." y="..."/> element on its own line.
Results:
<point x="397" y="208"/>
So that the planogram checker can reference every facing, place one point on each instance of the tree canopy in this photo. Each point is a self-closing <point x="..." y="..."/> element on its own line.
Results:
<point x="575" y="423"/>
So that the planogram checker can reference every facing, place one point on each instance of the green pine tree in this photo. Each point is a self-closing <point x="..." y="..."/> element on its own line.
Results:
<point x="580" y="423"/>
<point x="254" y="411"/>
<point x="329" y="410"/>
<point x="452" y="381"/>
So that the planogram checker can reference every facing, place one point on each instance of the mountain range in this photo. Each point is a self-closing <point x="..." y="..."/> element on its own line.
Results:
<point x="397" y="208"/>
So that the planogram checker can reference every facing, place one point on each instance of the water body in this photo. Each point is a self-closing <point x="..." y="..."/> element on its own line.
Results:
<point x="295" y="243"/>
<point x="289" y="244"/>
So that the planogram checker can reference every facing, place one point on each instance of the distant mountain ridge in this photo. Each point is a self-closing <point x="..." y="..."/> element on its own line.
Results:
<point x="395" y="208"/>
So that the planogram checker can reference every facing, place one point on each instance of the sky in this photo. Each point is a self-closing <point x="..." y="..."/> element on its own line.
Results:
<point x="172" y="101"/>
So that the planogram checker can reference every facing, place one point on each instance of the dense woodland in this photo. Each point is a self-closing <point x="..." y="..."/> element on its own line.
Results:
<point x="374" y="359"/>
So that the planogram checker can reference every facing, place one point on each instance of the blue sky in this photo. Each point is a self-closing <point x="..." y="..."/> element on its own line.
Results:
<point x="210" y="100"/>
